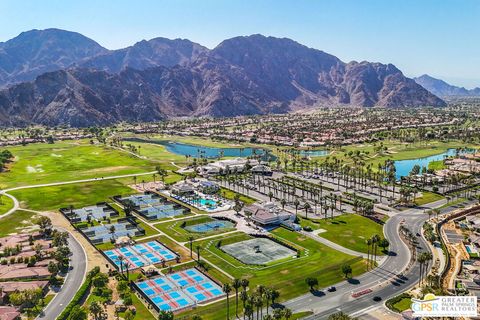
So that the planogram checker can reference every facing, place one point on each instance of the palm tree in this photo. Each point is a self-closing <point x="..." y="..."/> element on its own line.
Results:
<point x="95" y="309"/>
<point x="287" y="313"/>
<point x="306" y="207"/>
<point x="236" y="284"/>
<point x="198" y="248"/>
<point x="227" y="289"/>
<point x="369" y="243"/>
<point x="296" y="203"/>
<point x="190" y="243"/>
<point x="283" y="202"/>
<point x="245" y="283"/>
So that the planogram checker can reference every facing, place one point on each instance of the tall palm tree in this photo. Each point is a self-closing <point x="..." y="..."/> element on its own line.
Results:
<point x="198" y="248"/>
<point x="190" y="243"/>
<point x="369" y="243"/>
<point x="296" y="203"/>
<point x="236" y="284"/>
<point x="227" y="289"/>
<point x="306" y="207"/>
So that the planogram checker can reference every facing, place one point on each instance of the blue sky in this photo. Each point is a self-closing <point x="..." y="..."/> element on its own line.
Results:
<point x="438" y="37"/>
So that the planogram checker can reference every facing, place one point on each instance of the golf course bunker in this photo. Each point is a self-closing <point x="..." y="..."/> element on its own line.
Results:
<point x="258" y="251"/>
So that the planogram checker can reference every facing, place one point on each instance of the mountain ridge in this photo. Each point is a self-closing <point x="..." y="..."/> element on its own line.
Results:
<point x="246" y="75"/>
<point x="443" y="89"/>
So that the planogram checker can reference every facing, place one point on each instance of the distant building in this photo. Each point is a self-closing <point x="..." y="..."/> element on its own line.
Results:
<point x="268" y="214"/>
<point x="227" y="166"/>
<point x="262" y="169"/>
<point x="183" y="188"/>
<point x="208" y="187"/>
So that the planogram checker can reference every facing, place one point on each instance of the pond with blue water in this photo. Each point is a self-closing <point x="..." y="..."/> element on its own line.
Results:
<point x="404" y="167"/>
<point x="198" y="151"/>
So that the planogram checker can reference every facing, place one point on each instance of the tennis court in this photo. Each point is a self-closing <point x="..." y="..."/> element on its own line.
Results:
<point x="161" y="211"/>
<point x="141" y="200"/>
<point x="105" y="232"/>
<point x="180" y="290"/>
<point x="210" y="226"/>
<point x="97" y="212"/>
<point x="258" y="251"/>
<point x="140" y="255"/>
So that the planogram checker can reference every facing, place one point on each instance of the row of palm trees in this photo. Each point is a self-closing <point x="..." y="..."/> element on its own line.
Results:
<point x="423" y="259"/>
<point x="372" y="246"/>
<point x="254" y="301"/>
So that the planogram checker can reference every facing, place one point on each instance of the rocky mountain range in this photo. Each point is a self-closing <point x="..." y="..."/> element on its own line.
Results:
<point x="443" y="89"/>
<point x="86" y="84"/>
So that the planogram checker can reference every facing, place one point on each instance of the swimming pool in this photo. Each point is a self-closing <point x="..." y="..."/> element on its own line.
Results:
<point x="208" y="202"/>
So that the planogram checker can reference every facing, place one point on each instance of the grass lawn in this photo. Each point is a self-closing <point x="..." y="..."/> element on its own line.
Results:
<point x="176" y="231"/>
<point x="142" y="312"/>
<point x="300" y="315"/>
<point x="436" y="165"/>
<point x="317" y="261"/>
<point x="455" y="202"/>
<point x="72" y="160"/>
<point x="349" y="230"/>
<point x="16" y="222"/>
<point x="78" y="194"/>
<point x="229" y="194"/>
<point x="5" y="204"/>
<point x="403" y="304"/>
<point x="428" y="197"/>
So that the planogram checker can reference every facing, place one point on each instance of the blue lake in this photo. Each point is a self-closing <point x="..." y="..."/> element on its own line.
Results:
<point x="404" y="167"/>
<point x="197" y="151"/>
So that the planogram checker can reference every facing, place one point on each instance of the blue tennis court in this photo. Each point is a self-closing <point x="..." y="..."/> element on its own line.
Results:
<point x="105" y="232"/>
<point x="179" y="290"/>
<point x="161" y="211"/>
<point x="140" y="255"/>
<point x="141" y="200"/>
<point x="210" y="226"/>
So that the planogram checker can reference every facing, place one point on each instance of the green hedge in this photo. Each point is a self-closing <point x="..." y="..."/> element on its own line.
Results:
<point x="79" y="296"/>
<point x="391" y="302"/>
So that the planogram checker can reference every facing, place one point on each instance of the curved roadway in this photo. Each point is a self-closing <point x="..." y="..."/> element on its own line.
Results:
<point x="385" y="281"/>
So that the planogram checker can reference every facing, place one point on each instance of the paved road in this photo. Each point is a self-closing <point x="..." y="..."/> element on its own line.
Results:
<point x="73" y="281"/>
<point x="386" y="281"/>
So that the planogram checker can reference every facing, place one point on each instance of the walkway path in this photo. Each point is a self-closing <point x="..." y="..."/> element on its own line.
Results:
<point x="338" y="247"/>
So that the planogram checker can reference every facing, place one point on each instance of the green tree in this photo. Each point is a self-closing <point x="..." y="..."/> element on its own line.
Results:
<point x="78" y="313"/>
<point x="227" y="289"/>
<point x="165" y="315"/>
<point x="96" y="310"/>
<point x="346" y="270"/>
<point x="311" y="282"/>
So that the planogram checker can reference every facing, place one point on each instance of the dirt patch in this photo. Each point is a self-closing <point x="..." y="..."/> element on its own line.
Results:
<point x="285" y="271"/>
<point x="94" y="258"/>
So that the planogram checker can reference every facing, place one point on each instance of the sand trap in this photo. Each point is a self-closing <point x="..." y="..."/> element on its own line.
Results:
<point x="35" y="169"/>
<point x="56" y="155"/>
